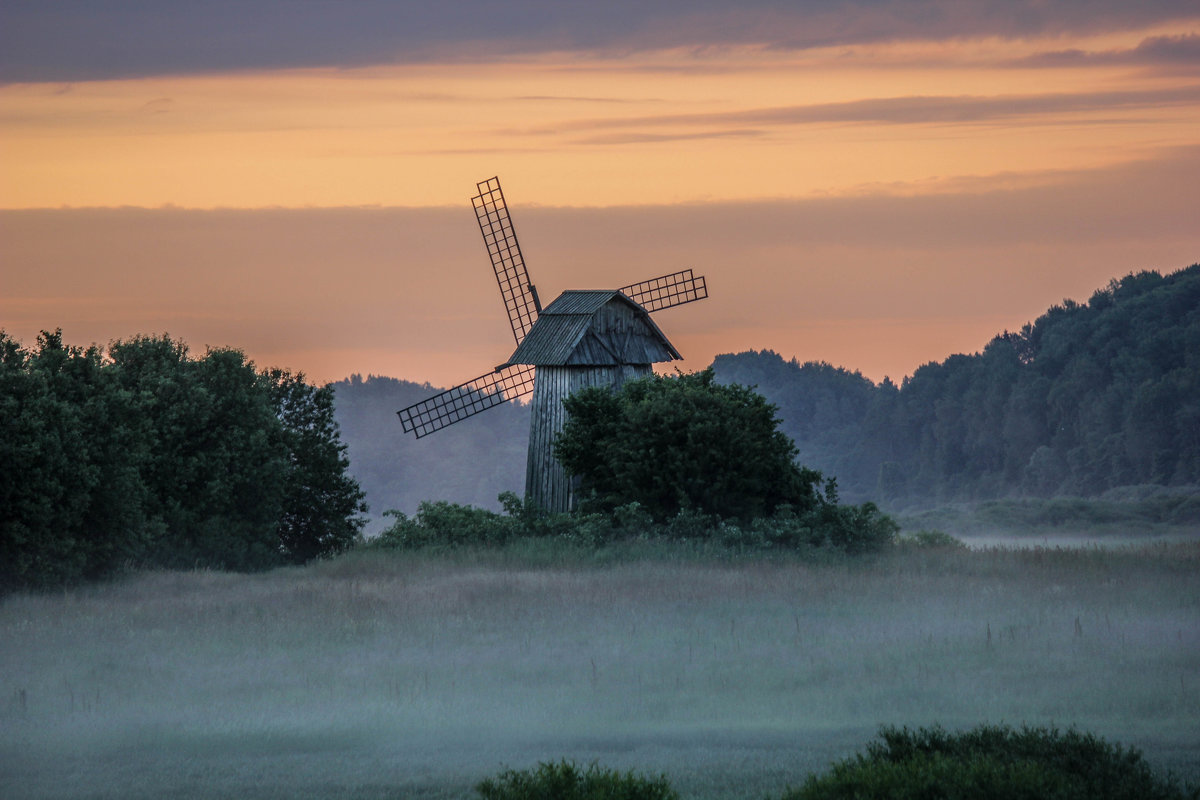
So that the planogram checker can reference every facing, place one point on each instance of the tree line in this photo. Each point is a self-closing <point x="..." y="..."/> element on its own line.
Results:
<point x="141" y="455"/>
<point x="1089" y="397"/>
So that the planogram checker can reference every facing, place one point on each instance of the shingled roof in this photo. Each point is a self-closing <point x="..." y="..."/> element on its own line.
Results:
<point x="592" y="328"/>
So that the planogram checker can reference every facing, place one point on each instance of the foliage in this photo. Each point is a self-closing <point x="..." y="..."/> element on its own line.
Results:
<point x="565" y="781"/>
<point x="991" y="763"/>
<point x="1086" y="398"/>
<point x="932" y="540"/>
<point x="679" y="443"/>
<point x="142" y="455"/>
<point x="213" y="461"/>
<point x="71" y="501"/>
<point x="321" y="501"/>
<point x="440" y="525"/>
<point x="443" y="524"/>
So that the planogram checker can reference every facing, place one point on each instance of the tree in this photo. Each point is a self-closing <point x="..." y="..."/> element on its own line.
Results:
<point x="320" y="500"/>
<point x="992" y="761"/>
<point x="148" y="457"/>
<point x="684" y="442"/>
<point x="215" y="462"/>
<point x="1086" y="398"/>
<point x="71" y="501"/>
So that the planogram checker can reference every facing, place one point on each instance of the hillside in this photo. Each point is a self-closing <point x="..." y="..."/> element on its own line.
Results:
<point x="471" y="462"/>
<point x="1088" y="398"/>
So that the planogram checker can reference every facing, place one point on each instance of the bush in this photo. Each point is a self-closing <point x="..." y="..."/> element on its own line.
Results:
<point x="565" y="781"/>
<point x="847" y="529"/>
<point x="991" y="763"/>
<point x="443" y="524"/>
<point x="142" y="455"/>
<point x="674" y="444"/>
<point x="932" y="540"/>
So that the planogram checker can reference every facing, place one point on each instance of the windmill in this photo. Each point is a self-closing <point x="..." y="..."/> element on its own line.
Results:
<point x="583" y="338"/>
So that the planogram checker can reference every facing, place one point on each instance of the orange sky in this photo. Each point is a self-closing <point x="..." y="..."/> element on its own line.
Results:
<point x="875" y="204"/>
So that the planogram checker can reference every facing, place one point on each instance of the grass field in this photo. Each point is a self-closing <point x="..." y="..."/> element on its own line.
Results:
<point x="391" y="675"/>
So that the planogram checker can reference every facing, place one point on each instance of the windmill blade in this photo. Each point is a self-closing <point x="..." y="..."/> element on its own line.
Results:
<point x="467" y="399"/>
<point x="520" y="297"/>
<point x="669" y="290"/>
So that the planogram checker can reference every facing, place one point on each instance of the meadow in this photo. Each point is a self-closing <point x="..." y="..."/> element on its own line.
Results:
<point x="381" y="675"/>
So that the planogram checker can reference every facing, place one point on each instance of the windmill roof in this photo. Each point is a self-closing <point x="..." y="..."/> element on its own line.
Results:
<point x="581" y="301"/>
<point x="576" y="329"/>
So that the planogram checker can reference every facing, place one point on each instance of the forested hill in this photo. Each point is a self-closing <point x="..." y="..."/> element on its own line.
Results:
<point x="1088" y="398"/>
<point x="469" y="462"/>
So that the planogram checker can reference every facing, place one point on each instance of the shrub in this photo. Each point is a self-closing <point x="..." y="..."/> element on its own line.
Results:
<point x="847" y="529"/>
<point x="678" y="443"/>
<point x="445" y="524"/>
<point x="932" y="540"/>
<point x="140" y="455"/>
<point x="565" y="781"/>
<point x="991" y="763"/>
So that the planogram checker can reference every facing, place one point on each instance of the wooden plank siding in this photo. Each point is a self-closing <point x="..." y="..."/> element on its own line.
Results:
<point x="584" y="338"/>
<point x="546" y="482"/>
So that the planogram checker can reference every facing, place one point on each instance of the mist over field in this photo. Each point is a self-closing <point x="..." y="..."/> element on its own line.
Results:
<point x="391" y="675"/>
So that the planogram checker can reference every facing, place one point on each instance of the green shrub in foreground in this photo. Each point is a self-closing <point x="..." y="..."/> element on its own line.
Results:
<point x="565" y="781"/>
<point x="991" y="763"/>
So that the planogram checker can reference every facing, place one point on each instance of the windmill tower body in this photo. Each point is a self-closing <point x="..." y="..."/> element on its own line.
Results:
<point x="582" y="339"/>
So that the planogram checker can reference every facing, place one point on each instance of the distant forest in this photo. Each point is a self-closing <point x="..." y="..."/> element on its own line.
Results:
<point x="1086" y="400"/>
<point x="470" y="462"/>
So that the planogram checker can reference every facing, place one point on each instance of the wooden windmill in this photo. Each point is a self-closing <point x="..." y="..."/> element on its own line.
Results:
<point x="583" y="338"/>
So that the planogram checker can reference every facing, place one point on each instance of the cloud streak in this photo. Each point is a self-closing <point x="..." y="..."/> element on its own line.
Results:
<point x="1178" y="53"/>
<point x="649" y="138"/>
<point x="98" y="39"/>
<point x="896" y="111"/>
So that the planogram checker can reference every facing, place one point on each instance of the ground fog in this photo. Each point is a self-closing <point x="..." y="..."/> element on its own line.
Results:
<point x="383" y="675"/>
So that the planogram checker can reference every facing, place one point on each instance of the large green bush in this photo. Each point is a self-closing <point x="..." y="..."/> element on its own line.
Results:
<point x="683" y="443"/>
<point x="565" y="781"/>
<point x="991" y="762"/>
<point x="142" y="455"/>
<point x="439" y="525"/>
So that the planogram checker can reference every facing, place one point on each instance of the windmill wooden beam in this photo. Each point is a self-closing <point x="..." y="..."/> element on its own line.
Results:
<point x="584" y="338"/>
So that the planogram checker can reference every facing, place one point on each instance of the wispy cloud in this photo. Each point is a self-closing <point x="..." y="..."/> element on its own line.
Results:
<point x="159" y="105"/>
<point x="1155" y="51"/>
<point x="890" y="110"/>
<point x="600" y="100"/>
<point x="643" y="138"/>
<point x="95" y="39"/>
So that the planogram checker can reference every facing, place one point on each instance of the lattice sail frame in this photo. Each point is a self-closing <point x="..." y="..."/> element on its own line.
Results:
<point x="520" y="297"/>
<point x="667" y="290"/>
<point x="467" y="399"/>
<point x="521" y="303"/>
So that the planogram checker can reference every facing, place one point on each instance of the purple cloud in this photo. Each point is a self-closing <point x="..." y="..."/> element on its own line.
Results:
<point x="92" y="39"/>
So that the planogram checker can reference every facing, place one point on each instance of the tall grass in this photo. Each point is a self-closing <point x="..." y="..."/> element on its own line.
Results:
<point x="409" y="674"/>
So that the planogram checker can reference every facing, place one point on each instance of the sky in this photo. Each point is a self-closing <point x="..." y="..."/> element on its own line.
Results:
<point x="873" y="184"/>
